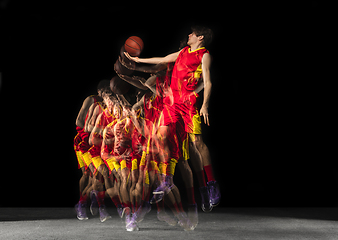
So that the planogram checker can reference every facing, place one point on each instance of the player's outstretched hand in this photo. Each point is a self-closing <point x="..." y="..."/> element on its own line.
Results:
<point x="204" y="112"/>
<point x="135" y="59"/>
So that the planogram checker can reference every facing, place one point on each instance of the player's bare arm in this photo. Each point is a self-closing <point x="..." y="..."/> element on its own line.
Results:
<point x="138" y="122"/>
<point x="94" y="138"/>
<point x="206" y="63"/>
<point x="91" y="121"/>
<point x="156" y="60"/>
<point x="150" y="83"/>
<point x="81" y="117"/>
<point x="108" y="139"/>
<point x="89" y="116"/>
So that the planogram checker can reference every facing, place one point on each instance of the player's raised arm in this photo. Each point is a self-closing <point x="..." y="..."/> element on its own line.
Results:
<point x="155" y="60"/>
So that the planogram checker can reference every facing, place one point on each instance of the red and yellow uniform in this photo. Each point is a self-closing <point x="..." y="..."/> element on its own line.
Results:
<point x="81" y="145"/>
<point x="95" y="150"/>
<point x="123" y="130"/>
<point x="185" y="77"/>
<point x="107" y="150"/>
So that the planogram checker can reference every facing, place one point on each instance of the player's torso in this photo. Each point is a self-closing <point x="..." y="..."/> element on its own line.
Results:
<point x="187" y="69"/>
<point x="122" y="133"/>
<point x="107" y="118"/>
<point x="153" y="106"/>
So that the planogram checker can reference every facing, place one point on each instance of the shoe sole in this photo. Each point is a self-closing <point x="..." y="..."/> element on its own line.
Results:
<point x="132" y="229"/>
<point x="214" y="205"/>
<point x="104" y="219"/>
<point x="82" y="219"/>
<point x="204" y="209"/>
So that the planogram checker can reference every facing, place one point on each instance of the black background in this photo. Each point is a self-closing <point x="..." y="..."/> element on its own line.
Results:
<point x="264" y="136"/>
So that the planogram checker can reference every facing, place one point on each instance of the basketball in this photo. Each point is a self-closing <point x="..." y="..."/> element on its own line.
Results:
<point x="118" y="86"/>
<point x="134" y="46"/>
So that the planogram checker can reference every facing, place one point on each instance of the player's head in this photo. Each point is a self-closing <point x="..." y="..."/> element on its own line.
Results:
<point x="103" y="87"/>
<point x="201" y="35"/>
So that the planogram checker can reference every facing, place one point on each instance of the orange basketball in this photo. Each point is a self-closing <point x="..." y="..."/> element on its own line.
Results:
<point x="134" y="46"/>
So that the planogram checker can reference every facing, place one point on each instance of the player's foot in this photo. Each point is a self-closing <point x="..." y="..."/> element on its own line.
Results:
<point x="205" y="201"/>
<point x="164" y="217"/>
<point x="94" y="206"/>
<point x="134" y="222"/>
<point x="160" y="191"/>
<point x="81" y="211"/>
<point x="142" y="211"/>
<point x="104" y="215"/>
<point x="184" y="222"/>
<point x="130" y="222"/>
<point x="193" y="215"/>
<point x="214" y="193"/>
<point x="120" y="211"/>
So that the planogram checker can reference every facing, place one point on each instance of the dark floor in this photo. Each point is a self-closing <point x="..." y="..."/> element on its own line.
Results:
<point x="221" y="223"/>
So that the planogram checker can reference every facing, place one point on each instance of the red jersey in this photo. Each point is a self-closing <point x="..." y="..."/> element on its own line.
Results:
<point x="106" y="118"/>
<point x="187" y="69"/>
<point x="153" y="106"/>
<point x="123" y="130"/>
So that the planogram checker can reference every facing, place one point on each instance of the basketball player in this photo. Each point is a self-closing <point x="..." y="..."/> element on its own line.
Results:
<point x="82" y="146"/>
<point x="190" y="63"/>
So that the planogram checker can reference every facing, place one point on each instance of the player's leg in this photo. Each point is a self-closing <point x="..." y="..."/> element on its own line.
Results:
<point x="184" y="153"/>
<point x="203" y="153"/>
<point x="101" y="176"/>
<point x="80" y="207"/>
<point x="112" y="188"/>
<point x="192" y="121"/>
<point x="134" y="179"/>
<point x="173" y="200"/>
<point x="162" y="143"/>
<point x="125" y="196"/>
<point x="189" y="186"/>
<point x="83" y="182"/>
<point x="143" y="187"/>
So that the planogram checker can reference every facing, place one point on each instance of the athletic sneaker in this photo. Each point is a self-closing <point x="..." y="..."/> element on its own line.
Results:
<point x="130" y="222"/>
<point x="142" y="211"/>
<point x="120" y="211"/>
<point x="193" y="215"/>
<point x="81" y="211"/>
<point x="214" y="193"/>
<point x="104" y="215"/>
<point x="160" y="191"/>
<point x="94" y="206"/>
<point x="164" y="217"/>
<point x="205" y="202"/>
<point x="184" y="222"/>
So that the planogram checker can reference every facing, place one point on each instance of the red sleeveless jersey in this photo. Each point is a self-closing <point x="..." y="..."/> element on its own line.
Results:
<point x="187" y="69"/>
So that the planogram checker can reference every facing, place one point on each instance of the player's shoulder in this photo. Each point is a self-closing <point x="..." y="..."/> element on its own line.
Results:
<point x="89" y="100"/>
<point x="206" y="57"/>
<point x="95" y="98"/>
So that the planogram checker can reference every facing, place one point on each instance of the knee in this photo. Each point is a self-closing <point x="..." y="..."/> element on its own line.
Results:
<point x="86" y="173"/>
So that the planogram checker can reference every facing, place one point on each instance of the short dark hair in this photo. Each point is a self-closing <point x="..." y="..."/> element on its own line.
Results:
<point x="205" y="32"/>
<point x="103" y="84"/>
